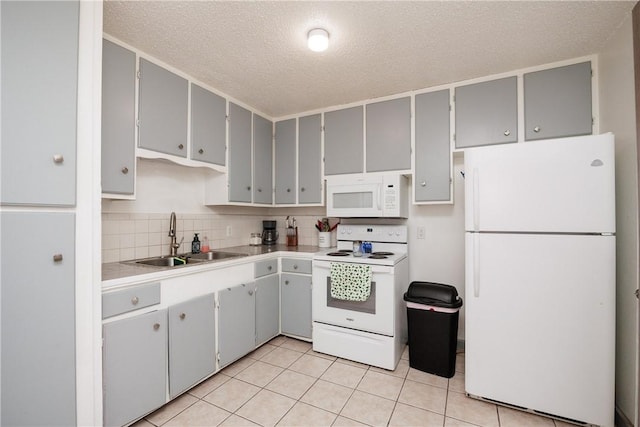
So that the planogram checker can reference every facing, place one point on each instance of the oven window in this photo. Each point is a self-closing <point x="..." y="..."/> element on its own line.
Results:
<point x="368" y="306"/>
<point x="359" y="199"/>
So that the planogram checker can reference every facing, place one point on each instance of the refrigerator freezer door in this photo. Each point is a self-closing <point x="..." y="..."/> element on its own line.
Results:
<point x="561" y="185"/>
<point x="540" y="322"/>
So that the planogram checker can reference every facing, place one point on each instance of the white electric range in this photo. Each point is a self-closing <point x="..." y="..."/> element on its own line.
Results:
<point x="372" y="331"/>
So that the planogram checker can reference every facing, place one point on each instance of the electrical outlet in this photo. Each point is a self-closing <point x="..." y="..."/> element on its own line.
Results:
<point x="229" y="231"/>
<point x="421" y="232"/>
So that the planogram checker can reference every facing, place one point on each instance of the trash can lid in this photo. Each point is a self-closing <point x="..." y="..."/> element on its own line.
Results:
<point x="435" y="294"/>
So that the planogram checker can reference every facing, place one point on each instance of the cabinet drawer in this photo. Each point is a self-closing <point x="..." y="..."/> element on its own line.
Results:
<point x="262" y="268"/>
<point x="296" y="265"/>
<point x="118" y="302"/>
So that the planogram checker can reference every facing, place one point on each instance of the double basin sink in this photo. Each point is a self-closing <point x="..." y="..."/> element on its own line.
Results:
<point x="186" y="259"/>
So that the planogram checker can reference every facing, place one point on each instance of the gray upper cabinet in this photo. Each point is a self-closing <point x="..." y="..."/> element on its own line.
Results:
<point x="239" y="154"/>
<point x="487" y="113"/>
<point x="285" y="162"/>
<point x="389" y="135"/>
<point x="162" y="110"/>
<point x="39" y="68"/>
<point x="134" y="367"/>
<point x="296" y="304"/>
<point x="38" y="318"/>
<point x="262" y="160"/>
<point x="557" y="102"/>
<point x="236" y="322"/>
<point x="208" y="126"/>
<point x="192" y="351"/>
<point x="343" y="141"/>
<point x="267" y="308"/>
<point x="310" y="159"/>
<point x="118" y="118"/>
<point x="432" y="181"/>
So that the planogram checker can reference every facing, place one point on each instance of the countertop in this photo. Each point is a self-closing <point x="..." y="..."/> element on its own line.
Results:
<point x="119" y="270"/>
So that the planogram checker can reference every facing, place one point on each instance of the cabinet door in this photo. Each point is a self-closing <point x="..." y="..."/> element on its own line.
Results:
<point x="163" y="110"/>
<point x="310" y="159"/>
<point x="118" y="118"/>
<point x="487" y="113"/>
<point x="39" y="68"/>
<point x="343" y="141"/>
<point x="192" y="352"/>
<point x="267" y="308"/>
<point x="208" y="126"/>
<point x="262" y="160"/>
<point x="389" y="135"/>
<point x="286" y="162"/>
<point x="236" y="322"/>
<point x="38" y="318"/>
<point x="296" y="304"/>
<point x="239" y="154"/>
<point x="557" y="102"/>
<point x="433" y="151"/>
<point x="134" y="367"/>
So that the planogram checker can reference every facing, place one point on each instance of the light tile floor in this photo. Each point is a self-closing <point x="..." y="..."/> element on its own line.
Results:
<point x="286" y="383"/>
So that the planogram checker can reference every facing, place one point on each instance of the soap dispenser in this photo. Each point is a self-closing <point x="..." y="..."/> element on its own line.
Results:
<point x="195" y="245"/>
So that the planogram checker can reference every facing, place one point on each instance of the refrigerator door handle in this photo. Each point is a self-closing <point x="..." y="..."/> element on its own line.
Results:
<point x="476" y="201"/>
<point x="476" y="265"/>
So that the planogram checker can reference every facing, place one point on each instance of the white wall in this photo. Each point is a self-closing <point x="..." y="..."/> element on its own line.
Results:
<point x="617" y="115"/>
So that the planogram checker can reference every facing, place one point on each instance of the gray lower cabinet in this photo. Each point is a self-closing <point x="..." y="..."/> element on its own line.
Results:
<point x="262" y="160"/>
<point x="285" y="162"/>
<point x="192" y="352"/>
<point x="163" y="106"/>
<point x="239" y="154"/>
<point x="236" y="322"/>
<point x="296" y="304"/>
<point x="310" y="159"/>
<point x="134" y="367"/>
<point x="487" y="113"/>
<point x="557" y="102"/>
<point x="39" y="69"/>
<point x="388" y="138"/>
<point x="118" y="118"/>
<point x="208" y="126"/>
<point x="432" y="182"/>
<point x="343" y="141"/>
<point x="267" y="308"/>
<point x="37" y="284"/>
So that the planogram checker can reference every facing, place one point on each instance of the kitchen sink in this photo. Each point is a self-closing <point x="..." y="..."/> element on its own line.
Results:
<point x="212" y="256"/>
<point x="168" y="261"/>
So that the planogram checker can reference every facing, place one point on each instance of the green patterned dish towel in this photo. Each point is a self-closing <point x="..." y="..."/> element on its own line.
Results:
<point x="350" y="282"/>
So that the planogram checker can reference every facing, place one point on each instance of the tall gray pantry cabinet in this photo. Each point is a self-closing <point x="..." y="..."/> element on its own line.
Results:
<point x="285" y="161"/>
<point x="39" y="117"/>
<point x="262" y="153"/>
<point x="239" y="154"/>
<point x="309" y="161"/>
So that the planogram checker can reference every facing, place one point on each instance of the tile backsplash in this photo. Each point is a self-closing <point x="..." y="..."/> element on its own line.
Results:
<point x="127" y="236"/>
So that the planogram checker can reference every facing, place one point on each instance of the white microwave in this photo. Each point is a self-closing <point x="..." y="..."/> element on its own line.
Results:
<point x="368" y="196"/>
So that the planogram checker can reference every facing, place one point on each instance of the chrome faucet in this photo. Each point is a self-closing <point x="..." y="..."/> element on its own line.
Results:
<point x="172" y="233"/>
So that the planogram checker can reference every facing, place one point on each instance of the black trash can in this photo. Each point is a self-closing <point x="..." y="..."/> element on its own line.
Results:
<point x="432" y="314"/>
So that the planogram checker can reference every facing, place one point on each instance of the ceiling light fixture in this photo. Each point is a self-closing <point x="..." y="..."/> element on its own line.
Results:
<point x="318" y="40"/>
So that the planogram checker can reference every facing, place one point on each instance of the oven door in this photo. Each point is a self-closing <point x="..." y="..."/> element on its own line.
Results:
<point x="373" y="315"/>
<point x="354" y="199"/>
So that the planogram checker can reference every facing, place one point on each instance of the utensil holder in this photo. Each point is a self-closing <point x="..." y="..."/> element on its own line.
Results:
<point x="292" y="236"/>
<point x="324" y="239"/>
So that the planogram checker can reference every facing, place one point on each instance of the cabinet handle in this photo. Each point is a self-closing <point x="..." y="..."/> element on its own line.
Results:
<point x="250" y="292"/>
<point x="259" y="190"/>
<point x="302" y="189"/>
<point x="134" y="300"/>
<point x="156" y="326"/>
<point x="180" y="146"/>
<point x="125" y="170"/>
<point x="295" y="266"/>
<point x="58" y="159"/>
<point x="288" y="190"/>
<point x="507" y="132"/>
<point x="536" y="129"/>
<point x="201" y="151"/>
<point x="269" y="268"/>
<point x="248" y="188"/>
<point x="423" y="184"/>
<point x="286" y="282"/>
<point x="182" y="316"/>
<point x="57" y="258"/>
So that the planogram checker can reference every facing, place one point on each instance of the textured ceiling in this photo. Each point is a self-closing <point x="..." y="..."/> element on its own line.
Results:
<point x="255" y="51"/>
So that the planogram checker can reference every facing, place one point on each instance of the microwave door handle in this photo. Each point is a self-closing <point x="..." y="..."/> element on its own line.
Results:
<point x="380" y="198"/>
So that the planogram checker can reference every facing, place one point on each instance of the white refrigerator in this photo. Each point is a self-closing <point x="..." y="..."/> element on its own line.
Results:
<point x="540" y="276"/>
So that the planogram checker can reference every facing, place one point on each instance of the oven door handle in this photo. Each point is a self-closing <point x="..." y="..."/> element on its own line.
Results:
<point x="375" y="269"/>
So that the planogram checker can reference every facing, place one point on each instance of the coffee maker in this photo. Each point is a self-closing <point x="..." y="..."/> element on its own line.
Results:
<point x="269" y="233"/>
